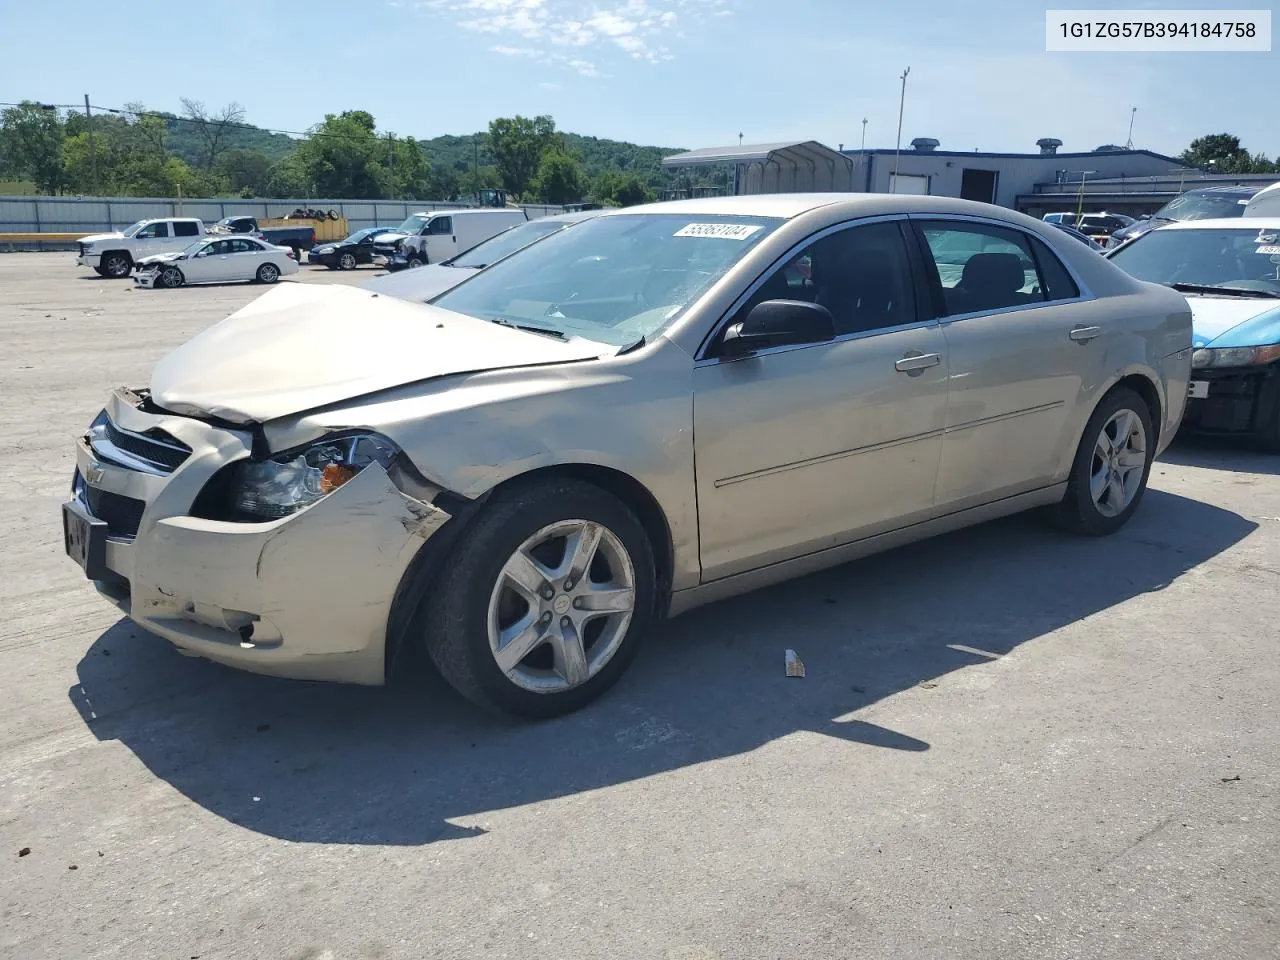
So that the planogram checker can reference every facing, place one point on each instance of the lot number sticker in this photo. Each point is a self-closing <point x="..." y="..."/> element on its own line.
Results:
<point x="719" y="231"/>
<point x="1269" y="249"/>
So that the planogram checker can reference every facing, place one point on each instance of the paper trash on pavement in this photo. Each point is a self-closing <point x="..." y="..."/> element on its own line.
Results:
<point x="795" y="666"/>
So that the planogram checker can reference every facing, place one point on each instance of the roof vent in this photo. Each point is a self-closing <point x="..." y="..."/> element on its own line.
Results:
<point x="1109" y="148"/>
<point x="924" y="144"/>
<point x="1048" y="145"/>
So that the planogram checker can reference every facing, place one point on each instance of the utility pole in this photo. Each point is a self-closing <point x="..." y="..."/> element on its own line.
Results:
<point x="93" y="150"/>
<point x="739" y="139"/>
<point x="475" y="165"/>
<point x="897" y="150"/>
<point x="1129" y="143"/>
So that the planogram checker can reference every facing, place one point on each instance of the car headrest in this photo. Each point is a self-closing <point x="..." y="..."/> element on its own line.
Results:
<point x="996" y="272"/>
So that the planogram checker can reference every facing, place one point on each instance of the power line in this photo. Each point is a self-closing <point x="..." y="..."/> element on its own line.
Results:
<point x="173" y="118"/>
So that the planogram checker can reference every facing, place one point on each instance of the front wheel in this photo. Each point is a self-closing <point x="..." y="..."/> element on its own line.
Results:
<point x="542" y="606"/>
<point x="268" y="273"/>
<point x="1109" y="474"/>
<point x="116" y="265"/>
<point x="170" y="277"/>
<point x="414" y="261"/>
<point x="347" y="261"/>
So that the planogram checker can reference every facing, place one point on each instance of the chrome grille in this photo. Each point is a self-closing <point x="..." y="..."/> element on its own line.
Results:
<point x="155" y="449"/>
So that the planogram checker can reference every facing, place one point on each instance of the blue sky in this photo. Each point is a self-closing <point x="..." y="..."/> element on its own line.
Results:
<point x="686" y="73"/>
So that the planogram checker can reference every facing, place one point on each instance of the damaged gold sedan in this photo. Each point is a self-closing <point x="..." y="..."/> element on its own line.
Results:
<point x="664" y="406"/>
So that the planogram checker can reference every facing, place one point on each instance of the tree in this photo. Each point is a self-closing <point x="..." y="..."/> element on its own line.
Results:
<point x="339" y="158"/>
<point x="517" y="145"/>
<point x="403" y="169"/>
<point x="245" y="171"/>
<point x="31" y="139"/>
<point x="287" y="179"/>
<point x="1224" y="153"/>
<point x="559" y="178"/>
<point x="212" y="127"/>
<point x="621" y="189"/>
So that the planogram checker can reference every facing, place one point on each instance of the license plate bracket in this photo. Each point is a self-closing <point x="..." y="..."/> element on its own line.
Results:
<point x="1198" y="390"/>
<point x="85" y="540"/>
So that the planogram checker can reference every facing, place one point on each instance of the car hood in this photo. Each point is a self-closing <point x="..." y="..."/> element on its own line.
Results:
<point x="162" y="257"/>
<point x="1234" y="322"/>
<point x="420" y="284"/>
<point x="304" y="346"/>
<point x="99" y="237"/>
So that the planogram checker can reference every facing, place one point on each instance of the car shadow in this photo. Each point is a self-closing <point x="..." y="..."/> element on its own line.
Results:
<point x="1235" y="454"/>
<point x="337" y="764"/>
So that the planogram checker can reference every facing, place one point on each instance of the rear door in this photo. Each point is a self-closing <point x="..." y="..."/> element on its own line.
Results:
<point x="244" y="258"/>
<point x="1020" y="357"/>
<point x="182" y="233"/>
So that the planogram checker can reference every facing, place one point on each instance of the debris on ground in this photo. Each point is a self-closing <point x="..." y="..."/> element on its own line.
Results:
<point x="795" y="666"/>
<point x="1231" y="779"/>
<point x="926" y="684"/>
<point x="24" y="851"/>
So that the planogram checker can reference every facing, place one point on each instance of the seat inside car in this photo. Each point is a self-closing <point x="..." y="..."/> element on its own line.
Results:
<point x="989" y="281"/>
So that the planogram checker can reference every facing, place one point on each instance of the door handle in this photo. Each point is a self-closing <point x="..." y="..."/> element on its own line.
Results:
<point x="915" y="362"/>
<point x="1084" y="334"/>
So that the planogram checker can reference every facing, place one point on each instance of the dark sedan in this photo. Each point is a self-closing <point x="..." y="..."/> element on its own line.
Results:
<point x="349" y="253"/>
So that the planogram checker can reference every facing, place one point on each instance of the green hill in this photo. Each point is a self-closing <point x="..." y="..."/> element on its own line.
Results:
<point x="183" y="140"/>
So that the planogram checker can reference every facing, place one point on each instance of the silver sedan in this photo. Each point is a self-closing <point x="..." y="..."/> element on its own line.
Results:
<point x="663" y="406"/>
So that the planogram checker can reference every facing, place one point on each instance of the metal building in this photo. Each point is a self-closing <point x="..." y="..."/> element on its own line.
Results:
<point x="801" y="167"/>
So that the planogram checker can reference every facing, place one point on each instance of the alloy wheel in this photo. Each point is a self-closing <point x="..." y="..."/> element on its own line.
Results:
<point x="1119" y="459"/>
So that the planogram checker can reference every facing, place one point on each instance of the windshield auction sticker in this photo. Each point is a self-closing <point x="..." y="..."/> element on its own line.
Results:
<point x="719" y="231"/>
<point x="1157" y="31"/>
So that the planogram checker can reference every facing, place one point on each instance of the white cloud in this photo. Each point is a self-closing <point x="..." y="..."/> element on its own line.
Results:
<point x="638" y="29"/>
<point x="553" y="87"/>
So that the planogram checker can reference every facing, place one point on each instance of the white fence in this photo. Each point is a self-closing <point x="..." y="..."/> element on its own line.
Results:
<point x="102" y="214"/>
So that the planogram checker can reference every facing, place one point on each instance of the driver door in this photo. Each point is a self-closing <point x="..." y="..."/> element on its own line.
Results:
<point x="801" y="448"/>
<point x="438" y="239"/>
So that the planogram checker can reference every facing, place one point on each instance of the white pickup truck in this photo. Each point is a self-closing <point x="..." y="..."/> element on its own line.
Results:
<point x="114" y="254"/>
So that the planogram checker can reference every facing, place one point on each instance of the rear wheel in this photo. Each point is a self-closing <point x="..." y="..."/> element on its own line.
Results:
<point x="1109" y="474"/>
<point x="170" y="277"/>
<point x="268" y="273"/>
<point x="347" y="261"/>
<point x="117" y="265"/>
<point x="543" y="604"/>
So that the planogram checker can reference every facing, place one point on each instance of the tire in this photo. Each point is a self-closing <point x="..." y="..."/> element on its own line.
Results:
<point x="99" y="271"/>
<point x="170" y="278"/>
<point x="472" y="596"/>
<point x="1266" y="416"/>
<point x="1080" y="510"/>
<point x="268" y="273"/>
<point x="116" y="264"/>
<point x="413" y="261"/>
<point x="347" y="261"/>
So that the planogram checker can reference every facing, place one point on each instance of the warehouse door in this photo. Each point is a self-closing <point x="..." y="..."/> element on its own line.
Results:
<point x="978" y="185"/>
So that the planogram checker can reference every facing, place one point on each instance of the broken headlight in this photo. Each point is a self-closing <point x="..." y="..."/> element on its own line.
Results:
<point x="269" y="489"/>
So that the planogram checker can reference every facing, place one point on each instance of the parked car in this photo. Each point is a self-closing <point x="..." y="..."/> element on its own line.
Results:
<point x="349" y="253"/>
<point x="1264" y="203"/>
<point x="1099" y="226"/>
<point x="434" y="279"/>
<point x="1078" y="235"/>
<point x="1229" y="271"/>
<point x="435" y="237"/>
<point x="217" y="260"/>
<point x="506" y="476"/>
<point x="1202" y="203"/>
<point x="296" y="238"/>
<point x="114" y="254"/>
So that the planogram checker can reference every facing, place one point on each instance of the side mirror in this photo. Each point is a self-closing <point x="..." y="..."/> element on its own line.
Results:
<point x="778" y="323"/>
<point x="1145" y="216"/>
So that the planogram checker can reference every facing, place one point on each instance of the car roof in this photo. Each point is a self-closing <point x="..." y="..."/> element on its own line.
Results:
<point x="1228" y="189"/>
<point x="1224" y="223"/>
<point x="788" y="206"/>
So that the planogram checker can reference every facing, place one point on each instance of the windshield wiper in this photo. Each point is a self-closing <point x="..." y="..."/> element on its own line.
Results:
<point x="529" y="328"/>
<point x="1210" y="288"/>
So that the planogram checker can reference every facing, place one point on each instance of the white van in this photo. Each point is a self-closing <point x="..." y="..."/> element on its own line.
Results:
<point x="1265" y="203"/>
<point x="435" y="237"/>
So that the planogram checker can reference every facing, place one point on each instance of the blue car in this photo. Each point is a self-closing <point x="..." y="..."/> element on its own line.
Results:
<point x="1229" y="271"/>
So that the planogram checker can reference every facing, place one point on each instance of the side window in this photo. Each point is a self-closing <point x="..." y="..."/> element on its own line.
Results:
<point x="185" y="228"/>
<point x="982" y="267"/>
<point x="1054" y="279"/>
<point x="861" y="274"/>
<point x="220" y="248"/>
<point x="153" y="230"/>
<point x="440" y="225"/>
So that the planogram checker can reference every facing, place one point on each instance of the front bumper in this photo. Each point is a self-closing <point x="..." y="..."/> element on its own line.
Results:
<point x="89" y="260"/>
<point x="324" y="259"/>
<point x="146" y="276"/>
<point x="1231" y="398"/>
<point x="307" y="596"/>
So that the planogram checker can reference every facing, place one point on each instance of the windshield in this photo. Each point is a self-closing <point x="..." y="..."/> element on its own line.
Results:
<point x="361" y="234"/>
<point x="1248" y="259"/>
<point x="130" y="230"/>
<point x="413" y="224"/>
<point x="192" y="249"/>
<point x="614" y="279"/>
<point x="508" y="242"/>
<point x="1202" y="206"/>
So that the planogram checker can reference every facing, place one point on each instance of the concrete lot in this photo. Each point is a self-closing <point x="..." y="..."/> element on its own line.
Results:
<point x="1010" y="743"/>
